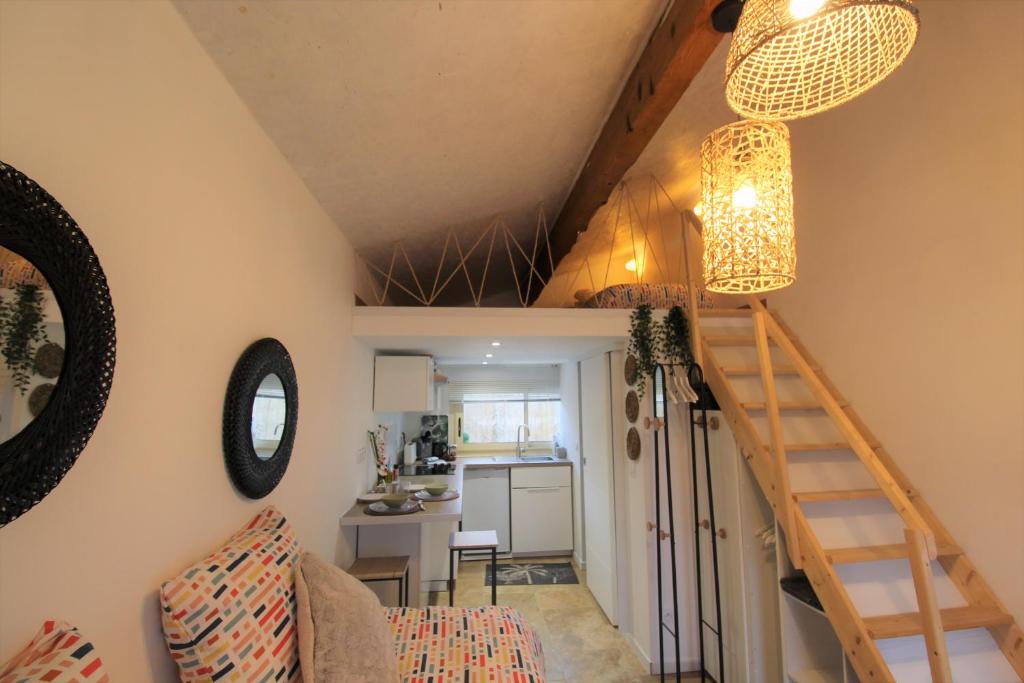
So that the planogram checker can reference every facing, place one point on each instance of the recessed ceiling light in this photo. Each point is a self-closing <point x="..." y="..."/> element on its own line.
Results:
<point x="484" y="363"/>
<point x="489" y="355"/>
<point x="495" y="343"/>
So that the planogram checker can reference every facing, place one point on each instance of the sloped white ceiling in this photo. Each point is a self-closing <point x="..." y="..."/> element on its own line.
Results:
<point x="406" y="118"/>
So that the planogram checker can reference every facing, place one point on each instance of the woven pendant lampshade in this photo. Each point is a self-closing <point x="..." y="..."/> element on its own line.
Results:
<point x="795" y="58"/>
<point x="747" y="197"/>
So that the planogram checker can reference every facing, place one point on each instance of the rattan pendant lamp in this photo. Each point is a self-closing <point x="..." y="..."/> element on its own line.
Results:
<point x="794" y="58"/>
<point x="747" y="197"/>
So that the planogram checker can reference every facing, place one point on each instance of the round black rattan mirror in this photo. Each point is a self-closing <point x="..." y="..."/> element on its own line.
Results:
<point x="260" y="413"/>
<point x="52" y="292"/>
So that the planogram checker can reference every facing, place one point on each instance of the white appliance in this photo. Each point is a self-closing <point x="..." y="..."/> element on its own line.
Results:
<point x="542" y="509"/>
<point x="485" y="504"/>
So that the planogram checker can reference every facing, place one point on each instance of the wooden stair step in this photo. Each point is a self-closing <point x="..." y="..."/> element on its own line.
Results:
<point x="953" y="619"/>
<point x="733" y="340"/>
<point x="878" y="553"/>
<point x="786" y="405"/>
<point x="840" y="494"/>
<point x="726" y="313"/>
<point x="755" y="370"/>
<point x="830" y="446"/>
<point x="827" y="446"/>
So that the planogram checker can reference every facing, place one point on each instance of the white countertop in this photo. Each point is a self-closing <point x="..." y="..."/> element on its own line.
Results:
<point x="488" y="461"/>
<point x="445" y="511"/>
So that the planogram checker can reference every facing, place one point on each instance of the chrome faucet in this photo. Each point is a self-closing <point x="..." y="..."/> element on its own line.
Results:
<point x="523" y="430"/>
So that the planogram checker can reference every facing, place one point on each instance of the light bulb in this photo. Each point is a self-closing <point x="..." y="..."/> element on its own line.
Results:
<point x="636" y="265"/>
<point x="745" y="197"/>
<point x="801" y="9"/>
<point x="698" y="209"/>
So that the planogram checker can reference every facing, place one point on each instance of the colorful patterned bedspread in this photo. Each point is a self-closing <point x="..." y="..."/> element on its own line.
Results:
<point x="466" y="644"/>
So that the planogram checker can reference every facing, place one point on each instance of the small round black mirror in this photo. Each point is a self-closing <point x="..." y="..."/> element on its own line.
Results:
<point x="260" y="413"/>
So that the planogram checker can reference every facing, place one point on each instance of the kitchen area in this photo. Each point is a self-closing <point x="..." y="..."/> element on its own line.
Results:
<point x="490" y="434"/>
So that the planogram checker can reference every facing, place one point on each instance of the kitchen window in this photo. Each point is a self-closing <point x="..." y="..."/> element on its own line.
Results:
<point x="494" y="418"/>
<point x="488" y="404"/>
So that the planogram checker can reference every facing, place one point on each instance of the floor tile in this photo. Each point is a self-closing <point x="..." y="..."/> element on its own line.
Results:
<point x="580" y="646"/>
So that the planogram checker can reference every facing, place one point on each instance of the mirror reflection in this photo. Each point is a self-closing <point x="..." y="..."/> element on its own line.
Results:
<point x="659" y="393"/>
<point x="269" y="410"/>
<point x="31" y="343"/>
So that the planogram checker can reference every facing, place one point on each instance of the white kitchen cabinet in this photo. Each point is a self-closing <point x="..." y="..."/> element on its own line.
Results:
<point x="403" y="384"/>
<point x="540" y="477"/>
<point x="542" y="520"/>
<point x="541" y="509"/>
<point x="485" y="504"/>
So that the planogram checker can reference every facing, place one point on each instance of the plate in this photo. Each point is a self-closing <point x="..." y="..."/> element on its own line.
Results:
<point x="379" y="508"/>
<point x="447" y="495"/>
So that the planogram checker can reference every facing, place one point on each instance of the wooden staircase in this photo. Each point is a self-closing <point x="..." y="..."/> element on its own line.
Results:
<point x="862" y="534"/>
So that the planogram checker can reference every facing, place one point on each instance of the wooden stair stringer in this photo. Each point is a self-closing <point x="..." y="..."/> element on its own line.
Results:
<point x="743" y="428"/>
<point x="960" y="570"/>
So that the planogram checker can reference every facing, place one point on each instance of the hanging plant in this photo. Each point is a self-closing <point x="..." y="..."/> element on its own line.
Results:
<point x="644" y="344"/>
<point x="21" y="329"/>
<point x="675" y="336"/>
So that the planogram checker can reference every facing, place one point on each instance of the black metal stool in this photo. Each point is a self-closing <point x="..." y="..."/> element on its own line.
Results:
<point x="472" y="540"/>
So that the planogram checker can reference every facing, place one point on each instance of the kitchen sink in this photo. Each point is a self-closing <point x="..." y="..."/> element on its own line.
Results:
<point x="537" y="458"/>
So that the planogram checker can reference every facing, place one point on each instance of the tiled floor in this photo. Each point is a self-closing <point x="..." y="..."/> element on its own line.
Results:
<point x="580" y="646"/>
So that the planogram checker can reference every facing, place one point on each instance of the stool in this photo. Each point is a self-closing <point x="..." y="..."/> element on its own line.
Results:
<point x="472" y="540"/>
<point x="369" y="569"/>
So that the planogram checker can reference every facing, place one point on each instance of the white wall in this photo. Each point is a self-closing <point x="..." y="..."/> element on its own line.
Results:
<point x="569" y="422"/>
<point x="910" y="227"/>
<point x="209" y="241"/>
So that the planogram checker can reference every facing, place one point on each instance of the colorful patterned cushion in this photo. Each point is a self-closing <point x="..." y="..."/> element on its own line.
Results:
<point x="656" y="295"/>
<point x="466" y="644"/>
<point x="231" y="617"/>
<point x="58" y="654"/>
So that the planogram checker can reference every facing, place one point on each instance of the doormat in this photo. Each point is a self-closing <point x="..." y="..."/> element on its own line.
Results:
<point x="532" y="574"/>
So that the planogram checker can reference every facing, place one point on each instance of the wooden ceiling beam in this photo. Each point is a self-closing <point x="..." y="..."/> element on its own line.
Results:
<point x="676" y="51"/>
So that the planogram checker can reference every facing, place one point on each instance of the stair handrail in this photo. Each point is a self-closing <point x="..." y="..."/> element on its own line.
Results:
<point x="928" y="607"/>
<point x="778" y="443"/>
<point x="693" y="285"/>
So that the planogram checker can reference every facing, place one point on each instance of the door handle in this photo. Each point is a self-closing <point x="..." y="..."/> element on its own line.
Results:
<point x="650" y="526"/>
<point x="663" y="535"/>
<point x="705" y="524"/>
<point x="542" y="489"/>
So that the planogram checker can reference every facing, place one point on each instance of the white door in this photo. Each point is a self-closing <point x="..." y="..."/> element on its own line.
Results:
<point x="598" y="482"/>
